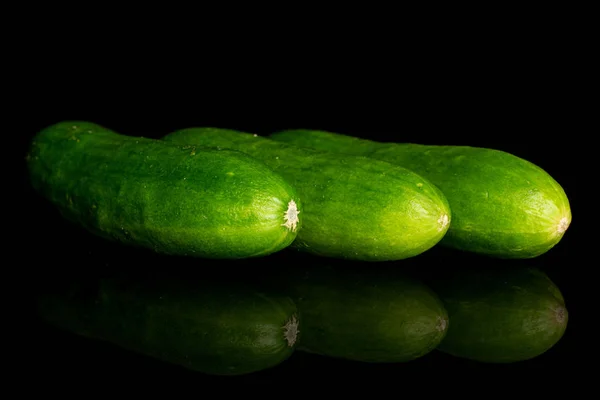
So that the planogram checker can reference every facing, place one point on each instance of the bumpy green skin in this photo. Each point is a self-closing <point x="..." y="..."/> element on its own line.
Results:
<point x="215" y="328"/>
<point x="354" y="208"/>
<point x="502" y="205"/>
<point x="376" y="316"/>
<point x="501" y="316"/>
<point x="180" y="200"/>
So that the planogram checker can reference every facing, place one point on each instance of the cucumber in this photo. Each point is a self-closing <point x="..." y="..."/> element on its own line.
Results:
<point x="502" y="205"/>
<point x="501" y="316"/>
<point x="373" y="316"/>
<point x="208" y="326"/>
<point x="178" y="200"/>
<point x="355" y="208"/>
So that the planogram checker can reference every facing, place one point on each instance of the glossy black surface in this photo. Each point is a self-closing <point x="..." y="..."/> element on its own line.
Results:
<point x="52" y="248"/>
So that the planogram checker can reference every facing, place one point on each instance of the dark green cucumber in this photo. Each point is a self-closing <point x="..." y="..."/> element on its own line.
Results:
<point x="174" y="199"/>
<point x="355" y="208"/>
<point x="502" y="205"/>
<point x="208" y="326"/>
<point x="501" y="316"/>
<point x="377" y="316"/>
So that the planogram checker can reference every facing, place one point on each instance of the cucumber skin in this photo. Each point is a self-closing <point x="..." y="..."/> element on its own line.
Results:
<point x="354" y="208"/>
<point x="172" y="199"/>
<point x="502" y="205"/>
<point x="214" y="328"/>
<point x="375" y="316"/>
<point x="501" y="316"/>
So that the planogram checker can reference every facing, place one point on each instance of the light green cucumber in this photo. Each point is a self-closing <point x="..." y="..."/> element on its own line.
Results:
<point x="172" y="199"/>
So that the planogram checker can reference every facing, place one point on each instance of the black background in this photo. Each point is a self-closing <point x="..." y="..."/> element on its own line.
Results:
<point x="523" y="106"/>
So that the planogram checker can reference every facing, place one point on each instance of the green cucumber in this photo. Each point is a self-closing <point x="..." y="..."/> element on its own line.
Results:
<point x="355" y="208"/>
<point x="179" y="200"/>
<point x="502" y="205"/>
<point x="501" y="316"/>
<point x="209" y="326"/>
<point x="375" y="316"/>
